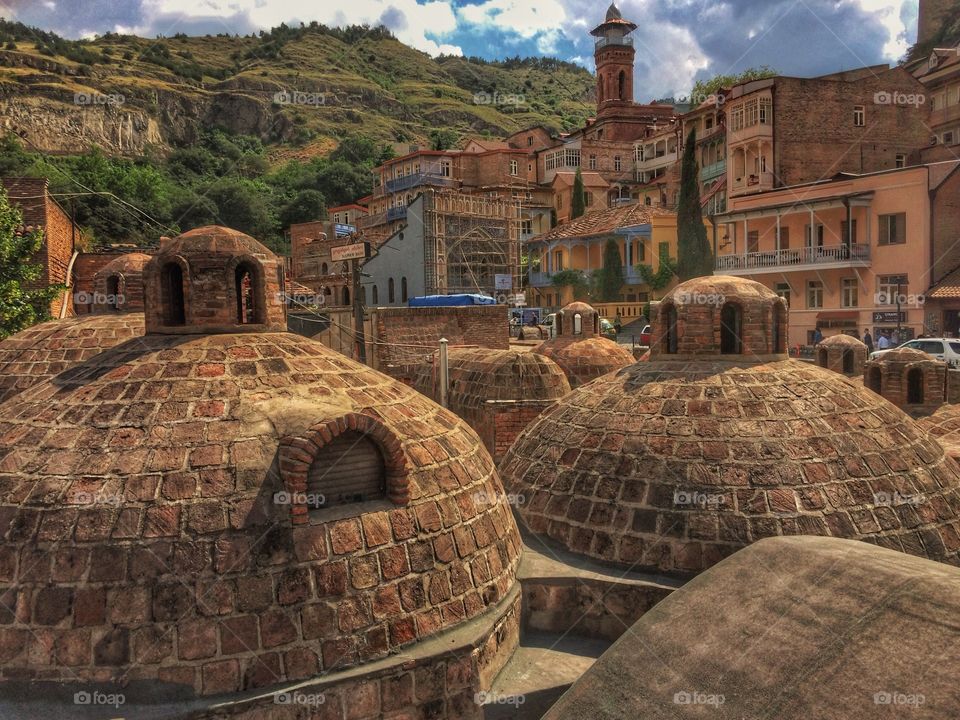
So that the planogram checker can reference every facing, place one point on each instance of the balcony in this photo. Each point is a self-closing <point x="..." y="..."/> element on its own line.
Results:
<point x="539" y="279"/>
<point x="822" y="258"/>
<point x="603" y="42"/>
<point x="753" y="183"/>
<point x="713" y="171"/>
<point x="369" y="221"/>
<point x="397" y="213"/>
<point x="416" y="179"/>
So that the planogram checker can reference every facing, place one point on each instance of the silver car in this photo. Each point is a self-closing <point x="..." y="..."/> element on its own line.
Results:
<point x="946" y="349"/>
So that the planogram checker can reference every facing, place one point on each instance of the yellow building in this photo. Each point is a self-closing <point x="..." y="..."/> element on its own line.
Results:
<point x="641" y="232"/>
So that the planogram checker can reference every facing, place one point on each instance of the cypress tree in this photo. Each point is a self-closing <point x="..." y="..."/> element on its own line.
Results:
<point x="610" y="280"/>
<point x="579" y="204"/>
<point x="694" y="256"/>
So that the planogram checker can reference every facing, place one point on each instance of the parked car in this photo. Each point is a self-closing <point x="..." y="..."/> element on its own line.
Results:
<point x="607" y="330"/>
<point x="645" y="335"/>
<point x="946" y="349"/>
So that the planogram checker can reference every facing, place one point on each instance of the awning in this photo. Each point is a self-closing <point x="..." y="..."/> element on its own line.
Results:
<point x="839" y="315"/>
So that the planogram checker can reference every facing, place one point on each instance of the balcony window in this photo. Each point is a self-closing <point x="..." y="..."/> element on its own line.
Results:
<point x="859" y="116"/>
<point x="814" y="240"/>
<point x="814" y="294"/>
<point x="736" y="118"/>
<point x="893" y="229"/>
<point x="889" y="287"/>
<point x="849" y="292"/>
<point x="766" y="111"/>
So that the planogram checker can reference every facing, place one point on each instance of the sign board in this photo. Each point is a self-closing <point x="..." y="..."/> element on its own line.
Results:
<point x="519" y="299"/>
<point x="891" y="318"/>
<point x="503" y="282"/>
<point x="357" y="251"/>
<point x="344" y="230"/>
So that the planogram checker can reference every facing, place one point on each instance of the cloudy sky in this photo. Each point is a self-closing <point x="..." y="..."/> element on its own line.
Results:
<point x="678" y="41"/>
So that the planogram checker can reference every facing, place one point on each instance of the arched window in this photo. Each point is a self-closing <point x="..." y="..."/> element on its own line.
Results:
<point x="171" y="295"/>
<point x="731" y="327"/>
<point x="622" y="85"/>
<point x="822" y="358"/>
<point x="245" y="286"/>
<point x="348" y="469"/>
<point x="113" y="292"/>
<point x="848" y="362"/>
<point x="376" y="295"/>
<point x="324" y="270"/>
<point x="403" y="289"/>
<point x="875" y="380"/>
<point x="345" y="296"/>
<point x="780" y="328"/>
<point x="670" y="329"/>
<point x="915" y="386"/>
<point x="577" y="324"/>
<point x="391" y="294"/>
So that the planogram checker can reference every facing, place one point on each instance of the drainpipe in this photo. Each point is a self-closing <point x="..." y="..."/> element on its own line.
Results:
<point x="66" y="293"/>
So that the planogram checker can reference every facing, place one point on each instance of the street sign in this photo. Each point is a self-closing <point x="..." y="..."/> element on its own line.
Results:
<point x="357" y="251"/>
<point x="503" y="282"/>
<point x="889" y="318"/>
<point x="344" y="230"/>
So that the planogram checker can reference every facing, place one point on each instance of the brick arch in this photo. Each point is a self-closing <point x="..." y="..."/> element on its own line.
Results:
<point x="298" y="452"/>
<point x="259" y="283"/>
<point x="155" y="300"/>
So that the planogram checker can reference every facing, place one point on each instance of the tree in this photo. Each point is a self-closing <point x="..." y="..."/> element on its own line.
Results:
<point x="443" y="139"/>
<point x="579" y="203"/>
<point x="574" y="279"/>
<point x="694" y="257"/>
<point x="702" y="89"/>
<point x="20" y="307"/>
<point x="661" y="278"/>
<point x="308" y="205"/>
<point x="610" y="277"/>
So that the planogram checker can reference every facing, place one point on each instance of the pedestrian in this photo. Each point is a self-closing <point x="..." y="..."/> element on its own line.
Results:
<point x="817" y="336"/>
<point x="617" y="324"/>
<point x="868" y="340"/>
<point x="895" y="339"/>
<point x="883" y="342"/>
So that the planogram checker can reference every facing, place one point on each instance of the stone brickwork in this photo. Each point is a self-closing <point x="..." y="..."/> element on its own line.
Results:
<point x="202" y="266"/>
<point x="842" y="354"/>
<point x="43" y="351"/>
<point x="406" y="337"/>
<point x="85" y="267"/>
<point x="944" y="425"/>
<point x="145" y="538"/>
<point x="675" y="463"/>
<point x="912" y="380"/>
<point x="118" y="285"/>
<point x="498" y="392"/>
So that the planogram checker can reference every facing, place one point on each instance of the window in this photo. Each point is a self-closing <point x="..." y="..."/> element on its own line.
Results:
<point x="859" y="116"/>
<point x="731" y="321"/>
<point x="670" y="329"/>
<point x="526" y="227"/>
<point x="617" y="165"/>
<point x="848" y="237"/>
<point x="391" y="294"/>
<point x="736" y="118"/>
<point x="577" y="324"/>
<point x="766" y="111"/>
<point x="560" y="202"/>
<point x="593" y="162"/>
<point x="174" y="310"/>
<point x="889" y="286"/>
<point x="514" y="167"/>
<point x="753" y="241"/>
<point x="376" y="295"/>
<point x="901" y="160"/>
<point x="113" y="292"/>
<point x="784" y="241"/>
<point x="529" y="140"/>
<point x="403" y="289"/>
<point x="345" y="296"/>
<point x="849" y="292"/>
<point x="817" y="239"/>
<point x="915" y="387"/>
<point x="848" y="363"/>
<point x="948" y="138"/>
<point x="893" y="229"/>
<point x="445" y="168"/>
<point x="245" y="286"/>
<point x="814" y="294"/>
<point x="558" y="261"/>
<point x="348" y="469"/>
<point x="783" y="290"/>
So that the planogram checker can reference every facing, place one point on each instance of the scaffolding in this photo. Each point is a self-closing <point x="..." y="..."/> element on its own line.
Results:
<point x="468" y="241"/>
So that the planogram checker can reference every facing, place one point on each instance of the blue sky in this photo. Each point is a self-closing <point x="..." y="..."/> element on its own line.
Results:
<point x="678" y="41"/>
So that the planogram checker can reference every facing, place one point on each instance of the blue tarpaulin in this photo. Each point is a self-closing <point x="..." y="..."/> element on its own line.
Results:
<point x="450" y="300"/>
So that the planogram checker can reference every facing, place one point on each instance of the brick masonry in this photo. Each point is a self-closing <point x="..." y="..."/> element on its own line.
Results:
<point x="842" y="354"/>
<point x="889" y="376"/>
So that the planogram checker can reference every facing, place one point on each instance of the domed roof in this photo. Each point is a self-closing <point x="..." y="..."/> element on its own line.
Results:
<point x="673" y="466"/>
<point x="45" y="350"/>
<point x="903" y="356"/>
<point x="214" y="239"/>
<point x="944" y="425"/>
<point x="127" y="263"/>
<point x="718" y="441"/>
<point x="168" y="493"/>
<point x="613" y="12"/>
<point x="842" y="340"/>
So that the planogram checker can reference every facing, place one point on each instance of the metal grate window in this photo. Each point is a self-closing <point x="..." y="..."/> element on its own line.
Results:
<point x="348" y="469"/>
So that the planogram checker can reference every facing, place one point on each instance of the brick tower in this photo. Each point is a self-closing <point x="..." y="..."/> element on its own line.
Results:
<point x="932" y="15"/>
<point x="614" y="55"/>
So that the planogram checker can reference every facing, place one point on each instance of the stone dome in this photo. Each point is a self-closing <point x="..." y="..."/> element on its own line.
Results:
<point x="842" y="340"/>
<point x="944" y="425"/>
<point x="912" y="380"/>
<point x="233" y="510"/>
<point x="578" y="348"/>
<point x="674" y="463"/>
<point x="42" y="351"/>
<point x="118" y="285"/>
<point x="843" y="354"/>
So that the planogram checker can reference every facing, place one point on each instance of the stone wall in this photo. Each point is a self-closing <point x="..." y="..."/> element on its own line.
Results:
<point x="85" y="268"/>
<point x="945" y="228"/>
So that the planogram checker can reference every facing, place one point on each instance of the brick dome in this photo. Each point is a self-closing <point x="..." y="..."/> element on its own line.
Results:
<point x="118" y="285"/>
<point x="842" y="340"/>
<point x="214" y="280"/>
<point x="944" y="425"/>
<point x="843" y="354"/>
<point x="674" y="463"/>
<point x="912" y="380"/>
<point x="578" y="348"/>
<point x="42" y="351"/>
<point x="155" y="506"/>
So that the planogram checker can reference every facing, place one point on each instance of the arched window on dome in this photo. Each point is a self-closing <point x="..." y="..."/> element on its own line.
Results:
<point x="577" y="324"/>
<point x="348" y="469"/>
<point x="171" y="294"/>
<point x="670" y="329"/>
<point x="245" y="284"/>
<point x="731" y="329"/>
<point x="780" y="328"/>
<point x="113" y="293"/>
<point x="848" y="362"/>
<point x="915" y="386"/>
<point x="822" y="360"/>
<point x="875" y="380"/>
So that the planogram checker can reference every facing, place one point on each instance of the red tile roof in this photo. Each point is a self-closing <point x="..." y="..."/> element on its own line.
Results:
<point x="948" y="288"/>
<point x="600" y="222"/>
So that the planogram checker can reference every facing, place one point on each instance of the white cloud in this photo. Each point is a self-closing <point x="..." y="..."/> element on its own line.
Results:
<point x="523" y="17"/>
<point x="890" y="14"/>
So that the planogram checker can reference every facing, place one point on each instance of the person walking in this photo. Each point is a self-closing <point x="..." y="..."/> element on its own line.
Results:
<point x="817" y="337"/>
<point x="868" y="341"/>
<point x="617" y="324"/>
<point x="883" y="342"/>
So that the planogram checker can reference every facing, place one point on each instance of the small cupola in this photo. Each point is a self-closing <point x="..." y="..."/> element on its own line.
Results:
<point x="578" y="320"/>
<point x="214" y="280"/>
<point x="118" y="285"/>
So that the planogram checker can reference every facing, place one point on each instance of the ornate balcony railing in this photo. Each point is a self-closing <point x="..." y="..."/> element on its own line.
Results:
<point x="795" y="258"/>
